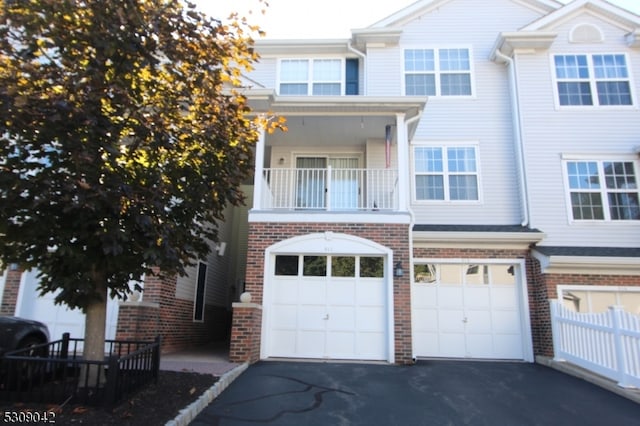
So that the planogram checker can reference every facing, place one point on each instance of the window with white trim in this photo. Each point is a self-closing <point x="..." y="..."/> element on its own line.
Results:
<point x="304" y="77"/>
<point x="446" y="173"/>
<point x="603" y="190"/>
<point x="593" y="80"/>
<point x="437" y="72"/>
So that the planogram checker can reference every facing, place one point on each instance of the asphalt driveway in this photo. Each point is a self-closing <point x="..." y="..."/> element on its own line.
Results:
<point x="428" y="393"/>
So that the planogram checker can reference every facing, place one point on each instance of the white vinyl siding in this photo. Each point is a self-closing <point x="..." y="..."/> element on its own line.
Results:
<point x="596" y="133"/>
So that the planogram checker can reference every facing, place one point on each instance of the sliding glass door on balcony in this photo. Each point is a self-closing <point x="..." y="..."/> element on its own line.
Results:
<point x="323" y="183"/>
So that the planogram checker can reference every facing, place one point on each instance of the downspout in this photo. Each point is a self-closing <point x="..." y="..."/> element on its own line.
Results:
<point x="412" y="222"/>
<point x="518" y="139"/>
<point x="364" y="60"/>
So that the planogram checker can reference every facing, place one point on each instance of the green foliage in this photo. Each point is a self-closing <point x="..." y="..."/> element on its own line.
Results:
<point x="121" y="138"/>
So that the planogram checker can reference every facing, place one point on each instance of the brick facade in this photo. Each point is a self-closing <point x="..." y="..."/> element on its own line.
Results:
<point x="162" y="314"/>
<point x="263" y="235"/>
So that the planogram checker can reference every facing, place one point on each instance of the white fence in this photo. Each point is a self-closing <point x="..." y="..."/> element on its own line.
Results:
<point x="330" y="189"/>
<point x="606" y="343"/>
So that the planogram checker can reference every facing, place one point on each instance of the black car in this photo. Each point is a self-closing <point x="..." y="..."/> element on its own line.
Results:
<point x="21" y="333"/>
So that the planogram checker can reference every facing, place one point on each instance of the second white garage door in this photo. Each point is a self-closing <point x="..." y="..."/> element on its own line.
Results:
<point x="331" y="307"/>
<point x="467" y="311"/>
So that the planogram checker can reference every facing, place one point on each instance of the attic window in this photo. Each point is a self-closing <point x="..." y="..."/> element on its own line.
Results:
<point x="586" y="33"/>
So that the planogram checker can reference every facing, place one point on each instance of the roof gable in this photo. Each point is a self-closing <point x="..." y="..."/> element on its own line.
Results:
<point x="599" y="8"/>
<point x="421" y="7"/>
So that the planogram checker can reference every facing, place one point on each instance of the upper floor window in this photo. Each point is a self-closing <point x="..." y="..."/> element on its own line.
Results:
<point x="592" y="80"/>
<point x="437" y="72"/>
<point x="323" y="76"/>
<point x="446" y="173"/>
<point x="603" y="190"/>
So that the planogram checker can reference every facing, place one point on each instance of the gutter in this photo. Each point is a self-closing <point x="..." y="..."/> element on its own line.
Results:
<point x="518" y="139"/>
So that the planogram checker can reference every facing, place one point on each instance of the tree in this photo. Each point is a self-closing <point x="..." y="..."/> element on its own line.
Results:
<point x="120" y="146"/>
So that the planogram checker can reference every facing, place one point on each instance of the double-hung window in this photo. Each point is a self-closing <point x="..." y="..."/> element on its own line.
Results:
<point x="311" y="77"/>
<point x="603" y="190"/>
<point x="437" y="72"/>
<point x="446" y="173"/>
<point x="594" y="80"/>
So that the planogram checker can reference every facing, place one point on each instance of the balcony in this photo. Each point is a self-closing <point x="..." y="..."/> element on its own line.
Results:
<point x="330" y="189"/>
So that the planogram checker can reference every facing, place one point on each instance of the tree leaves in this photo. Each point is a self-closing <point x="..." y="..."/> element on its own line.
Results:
<point x="121" y="130"/>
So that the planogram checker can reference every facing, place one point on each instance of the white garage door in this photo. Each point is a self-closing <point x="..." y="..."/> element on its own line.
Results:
<point x="59" y="318"/>
<point x="467" y="311"/>
<point x="327" y="307"/>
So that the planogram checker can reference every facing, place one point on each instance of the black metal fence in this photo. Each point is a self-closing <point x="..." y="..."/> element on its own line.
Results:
<point x="56" y="372"/>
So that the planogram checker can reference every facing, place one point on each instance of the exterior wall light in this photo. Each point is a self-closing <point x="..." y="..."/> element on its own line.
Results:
<point x="397" y="270"/>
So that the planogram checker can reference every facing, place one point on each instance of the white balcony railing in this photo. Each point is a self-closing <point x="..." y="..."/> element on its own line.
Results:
<point x="330" y="189"/>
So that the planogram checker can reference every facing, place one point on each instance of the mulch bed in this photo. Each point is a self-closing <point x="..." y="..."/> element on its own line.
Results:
<point x="155" y="404"/>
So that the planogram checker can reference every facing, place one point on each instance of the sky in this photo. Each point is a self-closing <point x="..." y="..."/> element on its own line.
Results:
<point x="324" y="18"/>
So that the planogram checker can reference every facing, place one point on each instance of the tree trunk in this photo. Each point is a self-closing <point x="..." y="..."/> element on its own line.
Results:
<point x="94" y="331"/>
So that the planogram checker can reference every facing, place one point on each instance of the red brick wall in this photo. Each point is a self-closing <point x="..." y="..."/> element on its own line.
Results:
<point x="162" y="314"/>
<point x="543" y="287"/>
<point x="10" y="295"/>
<point x="263" y="235"/>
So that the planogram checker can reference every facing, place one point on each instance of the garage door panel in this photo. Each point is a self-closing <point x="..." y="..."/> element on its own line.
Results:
<point x="312" y="291"/>
<point x="285" y="317"/>
<point x="311" y="343"/>
<point x="283" y="342"/>
<point x="312" y="318"/>
<point x="425" y="319"/>
<point x="478" y="321"/>
<point x="480" y="346"/>
<point x="341" y="344"/>
<point x="426" y="343"/>
<point x="452" y="345"/>
<point x="371" y="319"/>
<point x="371" y="292"/>
<point x="286" y="291"/>
<point x="450" y="296"/>
<point x="504" y="297"/>
<point x="371" y="346"/>
<point x="477" y="297"/>
<point x="506" y="321"/>
<point x="451" y="320"/>
<point x="424" y="296"/>
<point x="341" y="292"/>
<point x="509" y="346"/>
<point x="341" y="318"/>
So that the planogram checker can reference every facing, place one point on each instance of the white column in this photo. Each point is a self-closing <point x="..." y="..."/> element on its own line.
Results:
<point x="258" y="179"/>
<point x="403" y="163"/>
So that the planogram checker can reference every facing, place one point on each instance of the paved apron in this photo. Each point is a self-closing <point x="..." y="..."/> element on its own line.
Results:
<point x="428" y="393"/>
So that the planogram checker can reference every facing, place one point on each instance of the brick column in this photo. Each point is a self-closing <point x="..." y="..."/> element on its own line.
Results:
<point x="245" y="333"/>
<point x="11" y="289"/>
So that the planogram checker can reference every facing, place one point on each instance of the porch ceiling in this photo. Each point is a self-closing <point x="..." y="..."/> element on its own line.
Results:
<point x="334" y="120"/>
